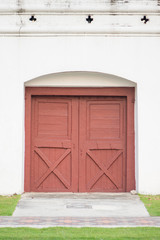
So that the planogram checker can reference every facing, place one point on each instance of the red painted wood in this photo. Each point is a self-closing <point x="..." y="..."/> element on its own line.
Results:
<point x="54" y="158"/>
<point x="102" y="144"/>
<point x="27" y="141"/>
<point x="79" y="143"/>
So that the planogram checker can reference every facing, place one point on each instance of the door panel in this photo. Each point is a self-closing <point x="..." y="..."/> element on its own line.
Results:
<point x="54" y="163"/>
<point x="102" y="144"/>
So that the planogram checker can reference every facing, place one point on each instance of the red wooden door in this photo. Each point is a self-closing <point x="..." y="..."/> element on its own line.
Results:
<point x="54" y="164"/>
<point x="102" y="144"/>
<point x="78" y="144"/>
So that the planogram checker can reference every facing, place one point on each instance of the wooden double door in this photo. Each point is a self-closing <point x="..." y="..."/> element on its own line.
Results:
<point x="78" y="144"/>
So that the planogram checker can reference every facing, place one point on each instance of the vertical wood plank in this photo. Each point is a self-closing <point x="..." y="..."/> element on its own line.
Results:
<point x="74" y="131"/>
<point x="130" y="178"/>
<point x="27" y="140"/>
<point x="82" y="146"/>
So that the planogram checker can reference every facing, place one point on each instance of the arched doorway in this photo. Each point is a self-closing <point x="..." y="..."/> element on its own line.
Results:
<point x="79" y="139"/>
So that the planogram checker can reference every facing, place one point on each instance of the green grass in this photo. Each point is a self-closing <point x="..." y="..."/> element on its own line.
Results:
<point x="152" y="203"/>
<point x="58" y="233"/>
<point x="8" y="204"/>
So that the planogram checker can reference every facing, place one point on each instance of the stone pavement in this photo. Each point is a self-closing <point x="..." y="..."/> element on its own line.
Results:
<point x="80" y="205"/>
<point x="107" y="222"/>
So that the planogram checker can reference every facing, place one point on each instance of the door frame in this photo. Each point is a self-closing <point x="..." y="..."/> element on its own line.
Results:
<point x="128" y="92"/>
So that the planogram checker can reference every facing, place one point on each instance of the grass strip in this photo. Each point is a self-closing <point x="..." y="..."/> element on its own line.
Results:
<point x="61" y="233"/>
<point x="152" y="203"/>
<point x="8" y="204"/>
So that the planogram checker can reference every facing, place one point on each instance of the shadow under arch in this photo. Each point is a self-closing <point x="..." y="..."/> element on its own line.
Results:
<point x="79" y="79"/>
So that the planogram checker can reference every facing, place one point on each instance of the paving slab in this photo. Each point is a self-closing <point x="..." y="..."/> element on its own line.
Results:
<point x="80" y="205"/>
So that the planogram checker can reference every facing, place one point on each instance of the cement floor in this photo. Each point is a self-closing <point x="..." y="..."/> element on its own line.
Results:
<point x="80" y="205"/>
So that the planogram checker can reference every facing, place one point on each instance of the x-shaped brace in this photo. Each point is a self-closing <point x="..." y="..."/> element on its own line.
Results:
<point x="52" y="167"/>
<point x="104" y="169"/>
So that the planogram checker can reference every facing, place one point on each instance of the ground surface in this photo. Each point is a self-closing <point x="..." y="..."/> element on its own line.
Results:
<point x="8" y="204"/>
<point x="81" y="205"/>
<point x="75" y="203"/>
<point x="81" y="234"/>
<point x="152" y="203"/>
<point x="107" y="222"/>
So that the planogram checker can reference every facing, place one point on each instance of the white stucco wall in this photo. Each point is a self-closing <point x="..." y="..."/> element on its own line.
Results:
<point x="135" y="58"/>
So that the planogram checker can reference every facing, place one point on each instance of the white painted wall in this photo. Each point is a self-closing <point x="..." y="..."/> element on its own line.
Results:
<point x="131" y="57"/>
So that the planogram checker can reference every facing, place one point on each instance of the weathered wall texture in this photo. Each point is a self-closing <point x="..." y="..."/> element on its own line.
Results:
<point x="117" y="42"/>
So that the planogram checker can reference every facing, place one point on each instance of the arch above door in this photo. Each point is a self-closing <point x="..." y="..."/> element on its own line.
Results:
<point x="79" y="79"/>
